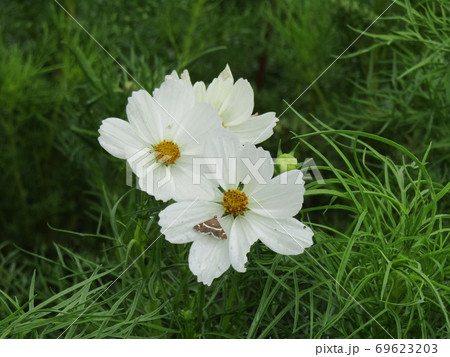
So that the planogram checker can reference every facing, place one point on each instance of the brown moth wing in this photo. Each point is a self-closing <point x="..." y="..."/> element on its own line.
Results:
<point x="213" y="227"/>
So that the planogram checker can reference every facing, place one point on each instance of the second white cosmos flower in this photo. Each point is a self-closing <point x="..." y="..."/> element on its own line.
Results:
<point x="234" y="102"/>
<point x="247" y="204"/>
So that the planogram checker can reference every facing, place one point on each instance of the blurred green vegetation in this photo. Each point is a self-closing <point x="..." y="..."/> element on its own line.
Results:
<point x="57" y="85"/>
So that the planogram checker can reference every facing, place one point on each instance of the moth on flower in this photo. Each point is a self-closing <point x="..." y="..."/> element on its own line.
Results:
<point x="242" y="208"/>
<point x="163" y="134"/>
<point x="234" y="102"/>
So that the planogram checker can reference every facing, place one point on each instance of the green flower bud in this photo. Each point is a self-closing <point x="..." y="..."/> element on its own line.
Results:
<point x="285" y="162"/>
<point x="187" y="314"/>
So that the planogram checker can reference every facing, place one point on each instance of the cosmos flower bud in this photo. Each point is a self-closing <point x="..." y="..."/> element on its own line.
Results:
<point x="285" y="162"/>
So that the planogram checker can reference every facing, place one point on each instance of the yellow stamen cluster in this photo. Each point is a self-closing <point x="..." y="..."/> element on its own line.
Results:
<point x="235" y="202"/>
<point x="167" y="152"/>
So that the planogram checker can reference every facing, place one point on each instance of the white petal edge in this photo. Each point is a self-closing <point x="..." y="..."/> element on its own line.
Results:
<point x="144" y="115"/>
<point x="254" y="167"/>
<point x="282" y="197"/>
<point x="218" y="92"/>
<point x="238" y="105"/>
<point x="208" y="258"/>
<point x="223" y="151"/>
<point x="256" y="129"/>
<point x="226" y="74"/>
<point x="186" y="187"/>
<point x="285" y="236"/>
<point x="157" y="181"/>
<point x="186" y="77"/>
<point x="174" y="97"/>
<point x="241" y="238"/>
<point x="198" y="121"/>
<point x="119" y="139"/>
<point x="177" y="221"/>
<point x="200" y="92"/>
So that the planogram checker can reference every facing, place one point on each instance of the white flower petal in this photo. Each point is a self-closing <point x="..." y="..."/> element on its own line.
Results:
<point x="200" y="92"/>
<point x="144" y="115"/>
<point x="172" y="75"/>
<point x="254" y="167"/>
<point x="196" y="122"/>
<point x="221" y="151"/>
<point x="177" y="221"/>
<point x="226" y="222"/>
<point x="187" y="188"/>
<point x="234" y="103"/>
<point x="174" y="97"/>
<point x="208" y="258"/>
<point x="240" y="240"/>
<point x="285" y="236"/>
<point x="226" y="74"/>
<point x="224" y="147"/>
<point x="119" y="139"/>
<point x="256" y="129"/>
<point x="157" y="181"/>
<point x="143" y="162"/>
<point x="217" y="92"/>
<point x="185" y="77"/>
<point x="282" y="197"/>
<point x="238" y="105"/>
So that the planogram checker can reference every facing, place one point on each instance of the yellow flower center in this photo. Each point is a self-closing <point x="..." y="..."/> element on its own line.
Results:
<point x="235" y="202"/>
<point x="167" y="152"/>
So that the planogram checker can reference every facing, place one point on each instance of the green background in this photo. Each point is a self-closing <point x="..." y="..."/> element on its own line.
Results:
<point x="70" y="225"/>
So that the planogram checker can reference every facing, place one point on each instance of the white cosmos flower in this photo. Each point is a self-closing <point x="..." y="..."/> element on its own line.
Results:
<point x="234" y="101"/>
<point x="161" y="137"/>
<point x="262" y="208"/>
